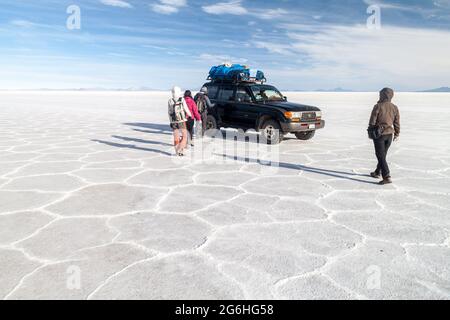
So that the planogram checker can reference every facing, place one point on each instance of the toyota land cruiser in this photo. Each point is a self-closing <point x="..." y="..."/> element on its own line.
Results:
<point x="250" y="105"/>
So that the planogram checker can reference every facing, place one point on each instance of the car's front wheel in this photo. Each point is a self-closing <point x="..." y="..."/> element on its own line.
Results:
<point x="271" y="132"/>
<point x="305" y="135"/>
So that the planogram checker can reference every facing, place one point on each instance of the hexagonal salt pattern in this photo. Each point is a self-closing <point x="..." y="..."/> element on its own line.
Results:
<point x="108" y="199"/>
<point x="93" y="205"/>
<point x="174" y="277"/>
<point x="94" y="266"/>
<point x="63" y="237"/>
<point x="162" y="232"/>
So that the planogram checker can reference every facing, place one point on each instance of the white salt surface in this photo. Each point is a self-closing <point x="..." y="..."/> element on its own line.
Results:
<point x="90" y="191"/>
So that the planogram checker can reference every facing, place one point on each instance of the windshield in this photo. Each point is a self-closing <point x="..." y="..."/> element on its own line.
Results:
<point x="266" y="93"/>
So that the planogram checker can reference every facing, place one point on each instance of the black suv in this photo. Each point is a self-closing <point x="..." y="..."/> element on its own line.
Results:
<point x="249" y="105"/>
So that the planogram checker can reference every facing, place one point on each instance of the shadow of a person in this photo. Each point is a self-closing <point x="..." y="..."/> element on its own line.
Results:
<point x="131" y="146"/>
<point x="330" y="173"/>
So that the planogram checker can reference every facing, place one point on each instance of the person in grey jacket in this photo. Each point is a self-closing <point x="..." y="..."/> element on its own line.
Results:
<point x="203" y="105"/>
<point x="385" y="115"/>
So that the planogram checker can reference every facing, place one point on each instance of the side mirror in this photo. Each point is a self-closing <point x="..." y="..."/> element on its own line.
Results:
<point x="285" y="98"/>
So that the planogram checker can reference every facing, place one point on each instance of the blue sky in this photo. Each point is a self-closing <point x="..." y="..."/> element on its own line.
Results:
<point x="303" y="45"/>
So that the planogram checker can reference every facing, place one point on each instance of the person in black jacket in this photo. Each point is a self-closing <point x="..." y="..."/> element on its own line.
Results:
<point x="203" y="105"/>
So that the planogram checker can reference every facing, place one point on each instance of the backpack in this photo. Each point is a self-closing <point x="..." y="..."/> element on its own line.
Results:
<point x="176" y="112"/>
<point x="375" y="132"/>
<point x="201" y="104"/>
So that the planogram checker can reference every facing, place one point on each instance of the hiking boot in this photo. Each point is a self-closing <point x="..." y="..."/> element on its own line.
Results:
<point x="375" y="175"/>
<point x="385" y="181"/>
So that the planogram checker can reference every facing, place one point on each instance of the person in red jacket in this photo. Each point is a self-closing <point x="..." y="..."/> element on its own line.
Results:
<point x="195" y="115"/>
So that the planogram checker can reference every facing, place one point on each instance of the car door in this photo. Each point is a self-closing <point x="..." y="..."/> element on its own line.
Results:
<point x="213" y="91"/>
<point x="225" y="103"/>
<point x="246" y="113"/>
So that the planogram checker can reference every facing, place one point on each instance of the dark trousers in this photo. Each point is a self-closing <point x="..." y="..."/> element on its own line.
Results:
<point x="382" y="146"/>
<point x="190" y="128"/>
<point x="204" y="115"/>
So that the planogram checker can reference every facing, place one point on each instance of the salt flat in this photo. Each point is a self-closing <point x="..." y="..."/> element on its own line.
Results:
<point x="94" y="206"/>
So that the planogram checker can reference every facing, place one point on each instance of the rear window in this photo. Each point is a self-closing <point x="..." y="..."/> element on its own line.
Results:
<point x="226" y="94"/>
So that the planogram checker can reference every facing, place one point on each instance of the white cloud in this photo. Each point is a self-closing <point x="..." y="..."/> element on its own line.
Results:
<point x="270" y="14"/>
<point x="116" y="3"/>
<point x="439" y="10"/>
<point x="164" y="9"/>
<point x="235" y="7"/>
<point x="355" y="56"/>
<point x="168" y="6"/>
<point x="19" y="23"/>
<point x="174" y="3"/>
<point x="22" y="23"/>
<point x="384" y="5"/>
<point x="232" y="7"/>
<point x="218" y="59"/>
<point x="273" y="47"/>
<point x="403" y="7"/>
<point x="300" y="27"/>
<point x="442" y="3"/>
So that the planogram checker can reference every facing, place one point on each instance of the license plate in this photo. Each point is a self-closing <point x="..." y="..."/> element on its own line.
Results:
<point x="312" y="126"/>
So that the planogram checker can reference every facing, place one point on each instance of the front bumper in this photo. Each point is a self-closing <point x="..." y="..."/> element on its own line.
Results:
<point x="289" y="127"/>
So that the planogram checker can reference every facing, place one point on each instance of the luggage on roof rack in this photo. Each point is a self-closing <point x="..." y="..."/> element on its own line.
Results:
<point x="235" y="73"/>
<point x="257" y="75"/>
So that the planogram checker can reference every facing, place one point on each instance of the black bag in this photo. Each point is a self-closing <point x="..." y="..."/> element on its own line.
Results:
<point x="375" y="132"/>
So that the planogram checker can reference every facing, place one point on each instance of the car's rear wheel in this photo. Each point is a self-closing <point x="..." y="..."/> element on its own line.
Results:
<point x="211" y="123"/>
<point x="308" y="135"/>
<point x="271" y="131"/>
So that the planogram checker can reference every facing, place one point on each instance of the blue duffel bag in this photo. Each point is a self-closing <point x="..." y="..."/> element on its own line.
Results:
<point x="227" y="72"/>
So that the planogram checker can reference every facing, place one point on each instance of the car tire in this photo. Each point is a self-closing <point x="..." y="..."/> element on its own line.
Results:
<point x="211" y="123"/>
<point x="307" y="135"/>
<point x="212" y="128"/>
<point x="271" y="131"/>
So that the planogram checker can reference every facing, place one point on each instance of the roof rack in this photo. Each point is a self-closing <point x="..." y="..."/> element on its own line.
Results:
<point x="254" y="80"/>
<point x="234" y="81"/>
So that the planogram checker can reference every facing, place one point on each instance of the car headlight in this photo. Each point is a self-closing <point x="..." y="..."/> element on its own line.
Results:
<point x="293" y="115"/>
<point x="319" y="115"/>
